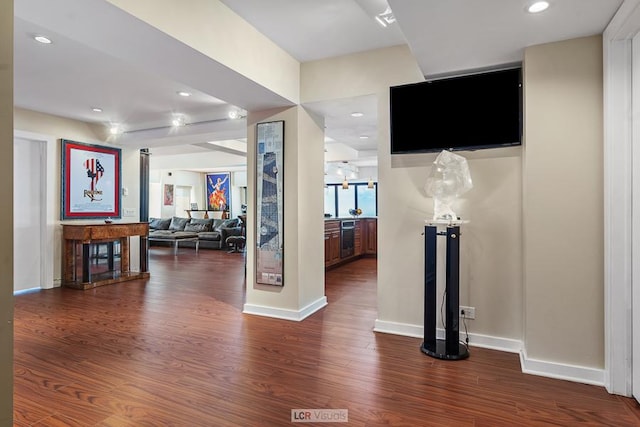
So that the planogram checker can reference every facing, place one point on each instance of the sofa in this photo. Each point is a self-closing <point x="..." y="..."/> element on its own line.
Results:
<point x="211" y="233"/>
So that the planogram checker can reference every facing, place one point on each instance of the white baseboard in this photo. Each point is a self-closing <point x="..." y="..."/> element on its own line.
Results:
<point x="404" y="329"/>
<point x="561" y="371"/>
<point x="475" y="340"/>
<point x="542" y="368"/>
<point x="281" y="313"/>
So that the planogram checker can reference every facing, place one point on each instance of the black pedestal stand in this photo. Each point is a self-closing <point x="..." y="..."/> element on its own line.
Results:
<point x="450" y="348"/>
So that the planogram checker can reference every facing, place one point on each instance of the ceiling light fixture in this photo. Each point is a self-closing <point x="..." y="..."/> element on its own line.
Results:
<point x="345" y="184"/>
<point x="237" y="113"/>
<point x="385" y="18"/>
<point x="370" y="183"/>
<point x="183" y="93"/>
<point x="343" y="168"/>
<point x="176" y="122"/>
<point x="42" y="39"/>
<point x="357" y="114"/>
<point x="538" y="7"/>
<point x="96" y="110"/>
<point x="364" y="137"/>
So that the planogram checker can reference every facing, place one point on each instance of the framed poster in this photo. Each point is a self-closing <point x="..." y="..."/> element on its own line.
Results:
<point x="270" y="203"/>
<point x="168" y="195"/>
<point x="91" y="180"/>
<point x="218" y="187"/>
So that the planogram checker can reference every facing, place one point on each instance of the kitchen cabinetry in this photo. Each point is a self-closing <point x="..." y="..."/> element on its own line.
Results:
<point x="365" y="239"/>
<point x="331" y="242"/>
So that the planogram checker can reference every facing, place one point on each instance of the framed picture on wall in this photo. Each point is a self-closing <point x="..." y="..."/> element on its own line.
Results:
<point x="218" y="186"/>
<point x="91" y="181"/>
<point x="270" y="203"/>
<point x="168" y="195"/>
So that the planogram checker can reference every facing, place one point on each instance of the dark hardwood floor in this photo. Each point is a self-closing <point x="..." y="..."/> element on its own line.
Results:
<point x="176" y="350"/>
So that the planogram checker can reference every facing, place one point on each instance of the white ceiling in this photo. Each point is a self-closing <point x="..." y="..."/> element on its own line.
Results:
<point x="103" y="57"/>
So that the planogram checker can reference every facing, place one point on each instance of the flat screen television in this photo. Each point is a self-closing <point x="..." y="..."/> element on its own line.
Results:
<point x="470" y="112"/>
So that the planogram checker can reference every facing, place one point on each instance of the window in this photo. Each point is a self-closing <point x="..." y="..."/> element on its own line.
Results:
<point x="367" y="200"/>
<point x="330" y="200"/>
<point x="346" y="200"/>
<point x="338" y="201"/>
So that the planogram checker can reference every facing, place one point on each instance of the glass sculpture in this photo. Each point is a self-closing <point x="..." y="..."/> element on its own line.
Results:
<point x="449" y="178"/>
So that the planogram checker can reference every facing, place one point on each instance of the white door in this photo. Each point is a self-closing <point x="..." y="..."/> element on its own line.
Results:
<point x="28" y="217"/>
<point x="182" y="200"/>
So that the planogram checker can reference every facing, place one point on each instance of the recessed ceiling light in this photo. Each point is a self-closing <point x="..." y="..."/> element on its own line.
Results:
<point x="42" y="39"/>
<point x="178" y="121"/>
<point x="96" y="110"/>
<point x="538" y="6"/>
<point x="357" y="114"/>
<point x="364" y="137"/>
<point x="183" y="93"/>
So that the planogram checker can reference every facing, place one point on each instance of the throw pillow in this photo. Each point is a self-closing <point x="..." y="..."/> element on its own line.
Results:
<point x="217" y="223"/>
<point x="230" y="223"/>
<point x="159" y="223"/>
<point x="196" y="228"/>
<point x="202" y="221"/>
<point x="177" y="223"/>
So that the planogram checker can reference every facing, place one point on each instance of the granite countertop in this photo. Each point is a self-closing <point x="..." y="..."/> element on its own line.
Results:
<point x="341" y="218"/>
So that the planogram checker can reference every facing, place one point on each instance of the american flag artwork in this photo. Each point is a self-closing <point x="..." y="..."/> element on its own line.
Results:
<point x="94" y="171"/>
<point x="91" y="180"/>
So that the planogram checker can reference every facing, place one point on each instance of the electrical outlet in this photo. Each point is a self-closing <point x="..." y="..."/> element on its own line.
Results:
<point x="467" y="312"/>
<point x="129" y="212"/>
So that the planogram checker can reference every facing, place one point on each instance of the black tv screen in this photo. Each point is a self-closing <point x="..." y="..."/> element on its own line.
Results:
<point x="459" y="113"/>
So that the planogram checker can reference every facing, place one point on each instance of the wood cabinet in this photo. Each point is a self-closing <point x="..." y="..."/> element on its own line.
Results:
<point x="331" y="242"/>
<point x="98" y="254"/>
<point x="370" y="234"/>
<point x="358" y="247"/>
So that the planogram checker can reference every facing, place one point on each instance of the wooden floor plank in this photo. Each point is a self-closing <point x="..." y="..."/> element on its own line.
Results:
<point x="176" y="350"/>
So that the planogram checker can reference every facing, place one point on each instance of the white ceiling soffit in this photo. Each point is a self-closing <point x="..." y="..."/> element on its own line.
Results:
<point x="102" y="27"/>
<point x="330" y="27"/>
<point x="453" y="35"/>
<point x="342" y="127"/>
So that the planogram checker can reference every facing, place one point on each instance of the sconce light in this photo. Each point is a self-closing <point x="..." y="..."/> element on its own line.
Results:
<point x="370" y="183"/>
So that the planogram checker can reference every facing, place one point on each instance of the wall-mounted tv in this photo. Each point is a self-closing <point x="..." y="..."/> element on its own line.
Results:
<point x="469" y="112"/>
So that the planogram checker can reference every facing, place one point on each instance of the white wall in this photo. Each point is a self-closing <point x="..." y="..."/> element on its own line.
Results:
<point x="563" y="202"/>
<point x="54" y="128"/>
<point x="195" y="180"/>
<point x="303" y="290"/>
<point x="562" y="217"/>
